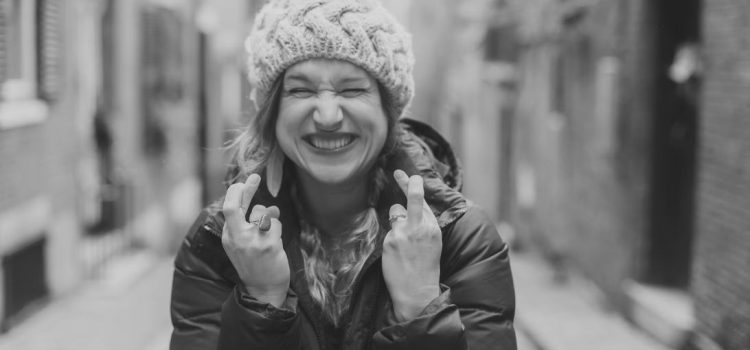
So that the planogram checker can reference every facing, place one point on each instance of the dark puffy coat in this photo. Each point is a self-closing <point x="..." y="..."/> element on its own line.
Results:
<point x="475" y="310"/>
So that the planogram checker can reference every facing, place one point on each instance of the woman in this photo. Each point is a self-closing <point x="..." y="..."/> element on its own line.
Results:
<point x="343" y="227"/>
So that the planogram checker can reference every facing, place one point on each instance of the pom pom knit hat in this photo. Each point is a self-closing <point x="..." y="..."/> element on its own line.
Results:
<point x="362" y="32"/>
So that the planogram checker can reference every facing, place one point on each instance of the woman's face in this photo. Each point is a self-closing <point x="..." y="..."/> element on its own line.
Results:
<point x="331" y="122"/>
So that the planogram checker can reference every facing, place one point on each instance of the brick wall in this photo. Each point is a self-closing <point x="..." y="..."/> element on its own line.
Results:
<point x="721" y="278"/>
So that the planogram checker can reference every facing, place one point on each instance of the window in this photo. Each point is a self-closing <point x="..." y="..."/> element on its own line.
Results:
<point x="29" y="45"/>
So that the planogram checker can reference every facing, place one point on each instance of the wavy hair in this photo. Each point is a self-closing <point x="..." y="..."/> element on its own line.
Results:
<point x="331" y="266"/>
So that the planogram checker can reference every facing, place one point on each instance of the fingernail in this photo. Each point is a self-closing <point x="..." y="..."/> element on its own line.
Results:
<point x="399" y="174"/>
<point x="253" y="179"/>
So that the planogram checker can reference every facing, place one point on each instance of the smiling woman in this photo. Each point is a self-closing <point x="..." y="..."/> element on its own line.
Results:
<point x="331" y="122"/>
<point x="343" y="226"/>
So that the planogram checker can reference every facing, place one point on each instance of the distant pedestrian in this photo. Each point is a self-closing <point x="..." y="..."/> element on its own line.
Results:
<point x="343" y="226"/>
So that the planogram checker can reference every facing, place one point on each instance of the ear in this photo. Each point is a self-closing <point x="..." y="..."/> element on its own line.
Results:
<point x="275" y="171"/>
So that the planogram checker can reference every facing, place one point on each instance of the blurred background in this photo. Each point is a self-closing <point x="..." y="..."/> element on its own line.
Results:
<point x="609" y="140"/>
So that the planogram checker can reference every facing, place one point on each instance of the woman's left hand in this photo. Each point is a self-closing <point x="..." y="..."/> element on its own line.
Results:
<point x="411" y="251"/>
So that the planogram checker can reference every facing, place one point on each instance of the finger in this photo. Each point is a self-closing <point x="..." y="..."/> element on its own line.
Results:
<point x="415" y="200"/>
<point x="275" y="231"/>
<point x="261" y="219"/>
<point x="397" y="214"/>
<point x="233" y="215"/>
<point x="251" y="186"/>
<point x="401" y="179"/>
<point x="273" y="211"/>
<point x="257" y="212"/>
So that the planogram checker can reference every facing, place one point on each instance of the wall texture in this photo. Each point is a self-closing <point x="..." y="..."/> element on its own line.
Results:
<point x="721" y="278"/>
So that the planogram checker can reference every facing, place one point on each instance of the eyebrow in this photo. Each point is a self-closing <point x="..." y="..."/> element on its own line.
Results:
<point x="354" y="80"/>
<point x="299" y="77"/>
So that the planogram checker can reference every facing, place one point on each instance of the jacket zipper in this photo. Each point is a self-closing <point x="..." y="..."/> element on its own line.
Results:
<point x="210" y="228"/>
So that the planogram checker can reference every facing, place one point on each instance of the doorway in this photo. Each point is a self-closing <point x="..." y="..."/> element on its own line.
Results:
<point x="673" y="163"/>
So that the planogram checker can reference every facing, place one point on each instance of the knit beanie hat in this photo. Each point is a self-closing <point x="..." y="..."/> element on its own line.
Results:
<point x="361" y="32"/>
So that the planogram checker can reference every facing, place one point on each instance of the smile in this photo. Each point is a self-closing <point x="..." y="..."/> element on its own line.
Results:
<point x="329" y="142"/>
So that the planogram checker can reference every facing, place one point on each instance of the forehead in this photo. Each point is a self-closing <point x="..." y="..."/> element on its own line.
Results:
<point x="326" y="70"/>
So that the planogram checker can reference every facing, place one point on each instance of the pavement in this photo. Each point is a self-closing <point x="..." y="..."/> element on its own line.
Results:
<point x="555" y="315"/>
<point x="129" y="309"/>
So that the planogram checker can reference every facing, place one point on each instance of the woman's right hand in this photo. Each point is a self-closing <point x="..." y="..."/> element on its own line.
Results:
<point x="258" y="256"/>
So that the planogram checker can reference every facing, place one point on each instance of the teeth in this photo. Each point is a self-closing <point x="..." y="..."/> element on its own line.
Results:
<point x="330" y="144"/>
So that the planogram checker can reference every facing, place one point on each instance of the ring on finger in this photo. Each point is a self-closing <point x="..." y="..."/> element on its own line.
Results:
<point x="393" y="218"/>
<point x="263" y="223"/>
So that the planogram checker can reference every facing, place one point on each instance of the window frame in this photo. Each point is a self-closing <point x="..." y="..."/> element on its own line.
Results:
<point x="20" y="104"/>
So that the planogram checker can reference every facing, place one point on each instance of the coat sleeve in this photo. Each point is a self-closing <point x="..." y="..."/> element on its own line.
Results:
<point x="476" y="308"/>
<point x="208" y="311"/>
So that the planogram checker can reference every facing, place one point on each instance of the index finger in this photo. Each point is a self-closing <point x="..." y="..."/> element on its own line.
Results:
<point x="401" y="179"/>
<point x="232" y="208"/>
<point x="251" y="186"/>
<point x="236" y="202"/>
<point x="415" y="200"/>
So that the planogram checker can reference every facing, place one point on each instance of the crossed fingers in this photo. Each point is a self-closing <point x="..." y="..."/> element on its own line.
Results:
<point x="236" y="203"/>
<point x="413" y="188"/>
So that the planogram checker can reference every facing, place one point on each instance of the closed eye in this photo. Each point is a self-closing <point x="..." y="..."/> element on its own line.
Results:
<point x="353" y="92"/>
<point x="300" y="92"/>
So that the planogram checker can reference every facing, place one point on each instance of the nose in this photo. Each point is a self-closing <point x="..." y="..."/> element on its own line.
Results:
<point x="328" y="114"/>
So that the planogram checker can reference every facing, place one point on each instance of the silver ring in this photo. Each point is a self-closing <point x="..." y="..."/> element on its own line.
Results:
<point x="393" y="218"/>
<point x="263" y="223"/>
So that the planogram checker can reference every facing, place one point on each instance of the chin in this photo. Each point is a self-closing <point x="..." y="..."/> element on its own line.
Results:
<point x="333" y="178"/>
<point x="334" y="175"/>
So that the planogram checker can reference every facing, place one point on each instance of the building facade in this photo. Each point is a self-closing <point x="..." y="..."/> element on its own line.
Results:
<point x="631" y="157"/>
<point x="112" y="118"/>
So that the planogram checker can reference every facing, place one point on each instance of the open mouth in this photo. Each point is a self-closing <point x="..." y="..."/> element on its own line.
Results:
<point x="329" y="142"/>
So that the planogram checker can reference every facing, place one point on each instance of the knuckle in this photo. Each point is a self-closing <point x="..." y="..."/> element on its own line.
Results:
<point x="415" y="193"/>
<point x="416" y="190"/>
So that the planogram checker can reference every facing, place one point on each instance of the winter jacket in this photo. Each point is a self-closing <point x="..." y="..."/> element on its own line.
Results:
<point x="474" y="311"/>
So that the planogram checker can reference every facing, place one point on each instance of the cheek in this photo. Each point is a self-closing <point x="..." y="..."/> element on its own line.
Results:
<point x="370" y="114"/>
<point x="378" y="122"/>
<point x="381" y="129"/>
<point x="284" y="132"/>
<point x="289" y="119"/>
<point x="377" y="127"/>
